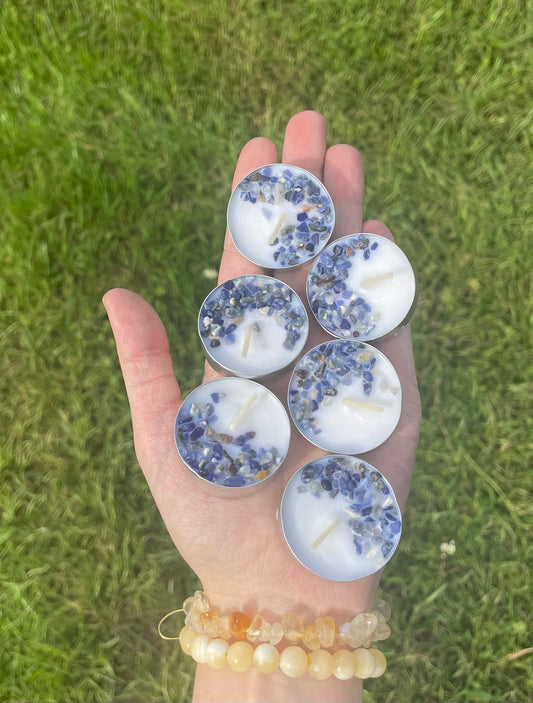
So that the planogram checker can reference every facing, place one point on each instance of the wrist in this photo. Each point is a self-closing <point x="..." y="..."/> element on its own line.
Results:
<point x="220" y="686"/>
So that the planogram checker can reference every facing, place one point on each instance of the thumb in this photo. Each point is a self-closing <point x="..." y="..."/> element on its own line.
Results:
<point x="153" y="392"/>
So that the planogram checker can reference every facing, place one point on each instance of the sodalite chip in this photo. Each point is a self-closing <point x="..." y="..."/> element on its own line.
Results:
<point x="221" y="314"/>
<point x="372" y="511"/>
<point x="231" y="460"/>
<point x="341" y="312"/>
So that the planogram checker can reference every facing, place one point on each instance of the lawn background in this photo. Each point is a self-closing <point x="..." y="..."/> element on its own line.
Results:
<point x="120" y="124"/>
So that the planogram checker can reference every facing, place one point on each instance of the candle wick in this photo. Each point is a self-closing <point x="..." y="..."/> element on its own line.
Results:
<point x="352" y="403"/>
<point x="329" y="529"/>
<point x="240" y="415"/>
<point x="279" y="225"/>
<point x="252" y="328"/>
<point x="368" y="282"/>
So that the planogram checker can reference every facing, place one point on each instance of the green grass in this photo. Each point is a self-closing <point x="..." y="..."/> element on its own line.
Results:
<point x="120" y="123"/>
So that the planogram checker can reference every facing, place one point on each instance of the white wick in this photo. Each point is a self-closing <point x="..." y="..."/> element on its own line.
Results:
<point x="329" y="529"/>
<point x="253" y="328"/>
<point x="242" y="412"/>
<point x="279" y="225"/>
<point x="352" y="403"/>
<point x="368" y="282"/>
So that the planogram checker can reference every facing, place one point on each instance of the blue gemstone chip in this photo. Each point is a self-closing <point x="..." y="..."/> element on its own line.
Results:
<point x="363" y="524"/>
<point x="280" y="216"/>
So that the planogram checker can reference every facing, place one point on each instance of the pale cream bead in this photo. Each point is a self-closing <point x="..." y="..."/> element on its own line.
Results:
<point x="199" y="648"/>
<point x="380" y="663"/>
<point x="217" y="653"/>
<point x="293" y="661"/>
<point x="266" y="658"/>
<point x="363" y="663"/>
<point x="320" y="664"/>
<point x="240" y="656"/>
<point x="187" y="637"/>
<point x="343" y="664"/>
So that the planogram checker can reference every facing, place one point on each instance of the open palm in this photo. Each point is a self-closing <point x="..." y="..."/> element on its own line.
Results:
<point x="236" y="546"/>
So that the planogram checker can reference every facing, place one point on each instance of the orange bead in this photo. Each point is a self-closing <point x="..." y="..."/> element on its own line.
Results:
<point x="239" y="624"/>
<point x="260" y="475"/>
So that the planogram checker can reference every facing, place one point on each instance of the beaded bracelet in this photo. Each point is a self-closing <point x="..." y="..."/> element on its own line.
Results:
<point x="293" y="661"/>
<point x="206" y="638"/>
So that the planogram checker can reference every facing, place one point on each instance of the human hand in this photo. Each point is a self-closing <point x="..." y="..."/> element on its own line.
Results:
<point x="236" y="546"/>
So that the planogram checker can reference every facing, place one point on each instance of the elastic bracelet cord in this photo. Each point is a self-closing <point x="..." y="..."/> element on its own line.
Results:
<point x="227" y="640"/>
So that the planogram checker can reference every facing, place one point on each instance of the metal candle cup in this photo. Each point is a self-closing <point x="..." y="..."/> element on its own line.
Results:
<point x="345" y="397"/>
<point x="252" y="326"/>
<point x="340" y="518"/>
<point x="280" y="216"/>
<point x="361" y="286"/>
<point x="233" y="434"/>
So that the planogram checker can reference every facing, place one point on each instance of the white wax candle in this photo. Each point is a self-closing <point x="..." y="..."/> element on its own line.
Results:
<point x="345" y="397"/>
<point x="280" y="216"/>
<point x="340" y="518"/>
<point x="361" y="286"/>
<point x="252" y="326"/>
<point x="232" y="432"/>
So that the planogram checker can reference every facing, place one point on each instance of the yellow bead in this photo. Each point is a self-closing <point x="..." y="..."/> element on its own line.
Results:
<point x="217" y="651"/>
<point x="320" y="664"/>
<point x="382" y="630"/>
<point x="199" y="648"/>
<point x="363" y="663"/>
<point x="253" y="633"/>
<point x="380" y="663"/>
<point x="276" y="633"/>
<point x="343" y="664"/>
<point x="293" y="661"/>
<point x="293" y="627"/>
<point x="201" y="601"/>
<point x="310" y="637"/>
<point x="209" y="623"/>
<point x="266" y="631"/>
<point x="266" y="658"/>
<point x="224" y="627"/>
<point x="327" y="631"/>
<point x="187" y="604"/>
<point x="186" y="639"/>
<point x="240" y="656"/>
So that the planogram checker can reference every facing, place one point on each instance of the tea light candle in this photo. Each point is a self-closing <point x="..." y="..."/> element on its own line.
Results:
<point x="280" y="216"/>
<point x="232" y="432"/>
<point x="361" y="286"/>
<point x="345" y="396"/>
<point x="252" y="326"/>
<point x="340" y="518"/>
